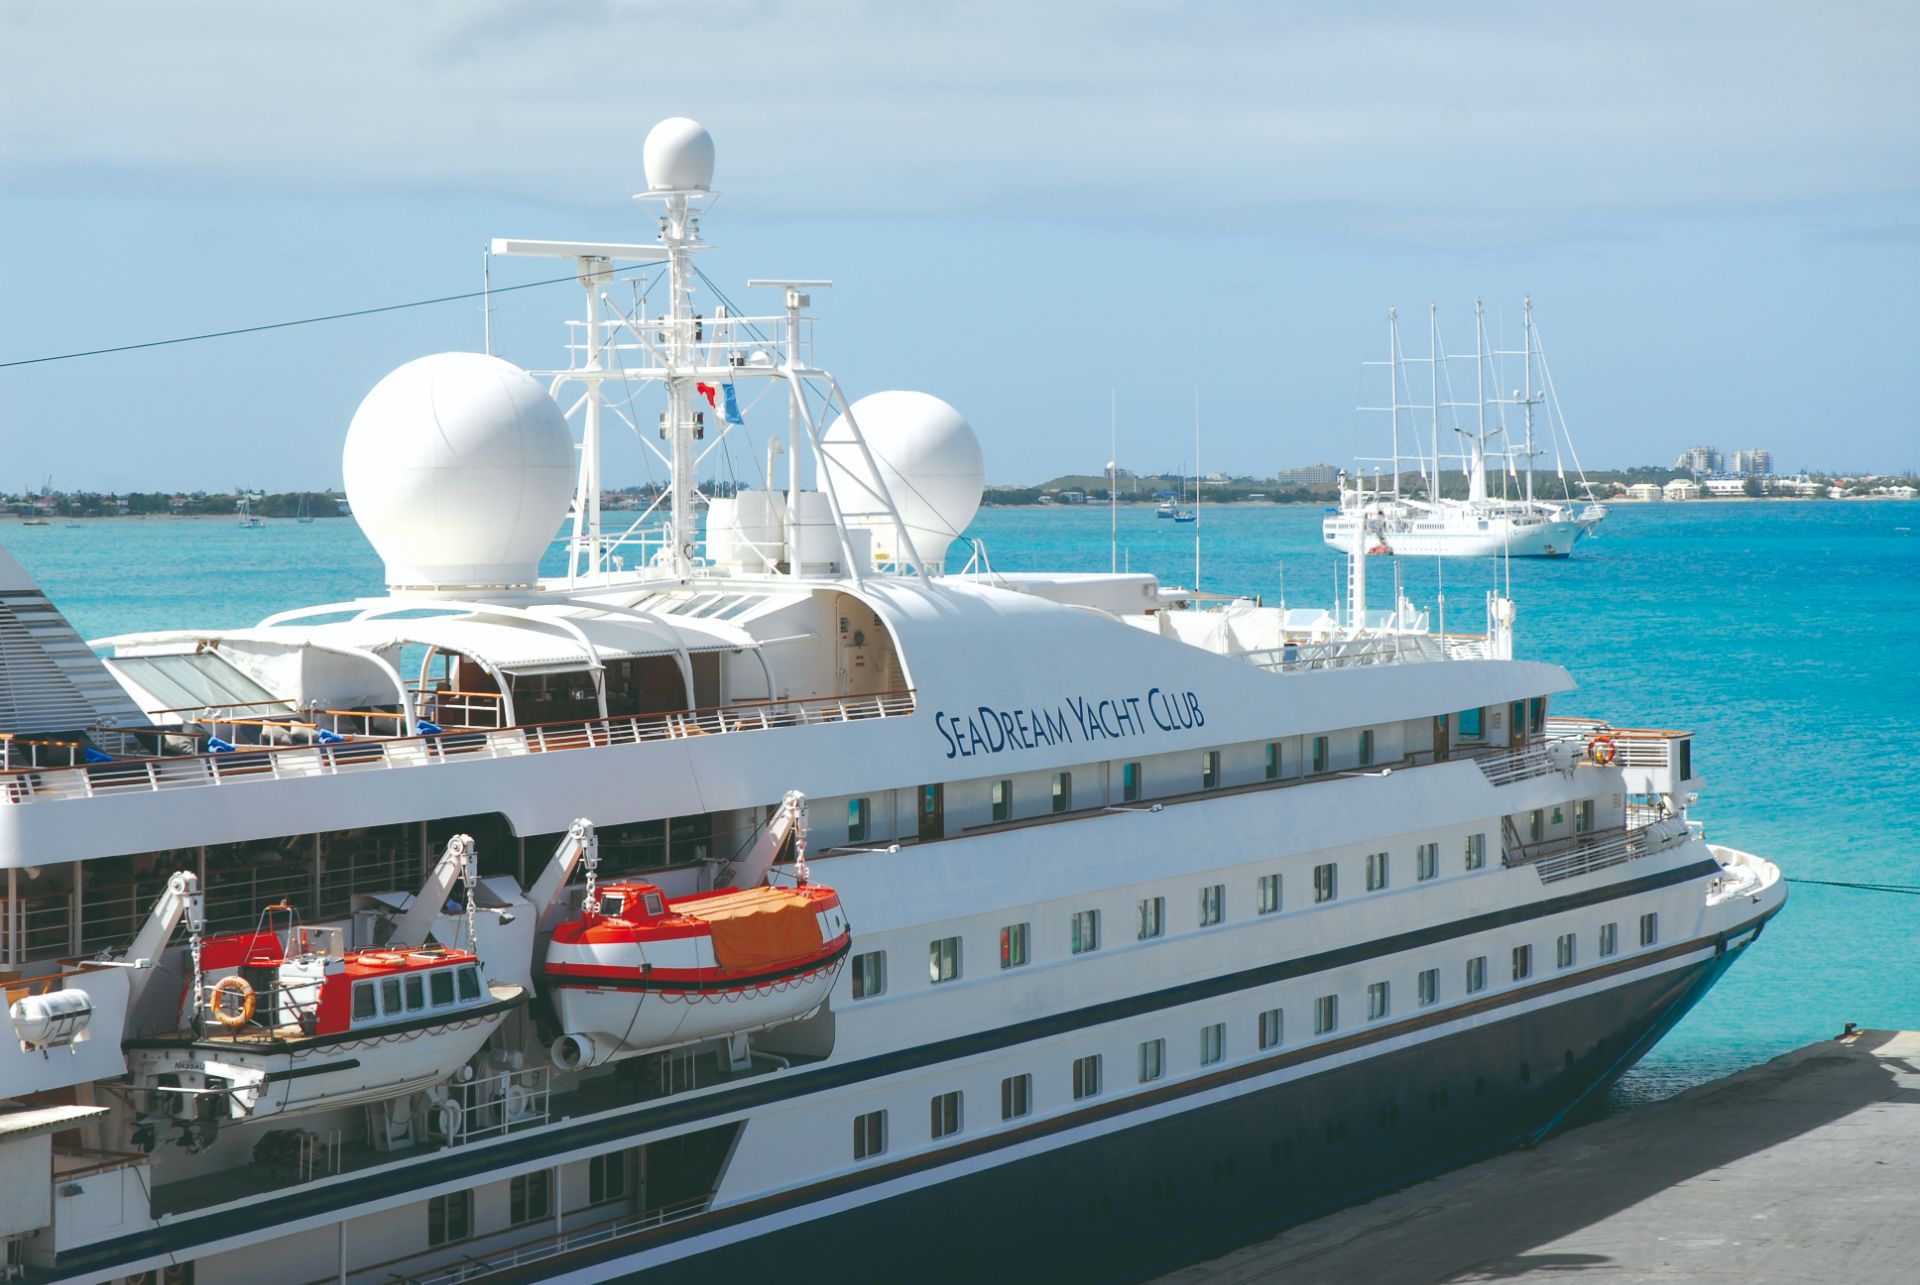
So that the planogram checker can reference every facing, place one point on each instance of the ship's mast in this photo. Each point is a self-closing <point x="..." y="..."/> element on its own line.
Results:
<point x="680" y="234"/>
<point x="1477" y="481"/>
<point x="1526" y="360"/>
<point x="1393" y="390"/>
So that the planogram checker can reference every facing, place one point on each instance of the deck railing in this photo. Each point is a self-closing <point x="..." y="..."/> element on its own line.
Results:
<point x="1559" y="862"/>
<point x="300" y="761"/>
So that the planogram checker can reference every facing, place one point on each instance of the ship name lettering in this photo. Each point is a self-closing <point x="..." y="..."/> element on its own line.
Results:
<point x="987" y="730"/>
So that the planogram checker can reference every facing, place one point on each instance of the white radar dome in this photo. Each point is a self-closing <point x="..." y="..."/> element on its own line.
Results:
<point x="929" y="462"/>
<point x="460" y="468"/>
<point x="678" y="156"/>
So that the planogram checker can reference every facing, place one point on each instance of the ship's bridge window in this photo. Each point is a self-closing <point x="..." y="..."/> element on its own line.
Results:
<point x="363" y="1002"/>
<point x="440" y="982"/>
<point x="469" y="983"/>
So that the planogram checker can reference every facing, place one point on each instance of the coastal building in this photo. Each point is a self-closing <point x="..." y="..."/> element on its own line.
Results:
<point x="1722" y="488"/>
<point x="1308" y="476"/>
<point x="1700" y="461"/>
<point x="1754" y="463"/>
<point x="1802" y="486"/>
<point x="1645" y="491"/>
<point x="1681" y="489"/>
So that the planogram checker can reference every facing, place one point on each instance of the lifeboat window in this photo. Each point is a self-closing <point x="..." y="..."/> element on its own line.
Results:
<point x="442" y="984"/>
<point x="612" y="905"/>
<point x="469" y="984"/>
<point x="390" y="995"/>
<point x="416" y="993"/>
<point x="363" y="1005"/>
<point x="654" y="904"/>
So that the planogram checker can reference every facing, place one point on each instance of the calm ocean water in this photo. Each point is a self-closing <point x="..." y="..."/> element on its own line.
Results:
<point x="1780" y="632"/>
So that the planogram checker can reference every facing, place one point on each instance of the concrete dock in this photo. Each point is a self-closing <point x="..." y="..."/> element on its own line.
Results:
<point x="1805" y="1169"/>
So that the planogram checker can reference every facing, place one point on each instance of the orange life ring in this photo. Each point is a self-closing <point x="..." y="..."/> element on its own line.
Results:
<point x="233" y="984"/>
<point x="1602" y="750"/>
<point x="382" y="958"/>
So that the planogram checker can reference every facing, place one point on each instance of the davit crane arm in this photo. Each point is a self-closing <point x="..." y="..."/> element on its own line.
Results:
<point x="459" y="861"/>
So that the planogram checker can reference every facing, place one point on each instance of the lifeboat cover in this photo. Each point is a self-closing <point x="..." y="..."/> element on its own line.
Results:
<point x="757" y="927"/>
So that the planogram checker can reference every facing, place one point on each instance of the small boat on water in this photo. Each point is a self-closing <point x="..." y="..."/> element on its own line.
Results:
<point x="247" y="518"/>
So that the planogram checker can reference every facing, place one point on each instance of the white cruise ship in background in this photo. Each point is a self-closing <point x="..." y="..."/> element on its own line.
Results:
<point x="759" y="897"/>
<point x="1515" y="521"/>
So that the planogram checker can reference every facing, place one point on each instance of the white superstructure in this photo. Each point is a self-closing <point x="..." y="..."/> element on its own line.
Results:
<point x="1133" y="927"/>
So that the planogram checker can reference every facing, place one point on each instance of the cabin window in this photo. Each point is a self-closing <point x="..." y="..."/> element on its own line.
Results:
<point x="1536" y="825"/>
<point x="869" y="1134"/>
<point x="1153" y="1060"/>
<point x="943" y="960"/>
<point x="607" y="1177"/>
<point x="1476" y="974"/>
<point x="1319" y="754"/>
<point x="1016" y="1096"/>
<point x="1326" y="1014"/>
<point x="1366" y="746"/>
<point x="1013" y="945"/>
<point x="1683" y="757"/>
<point x="1473" y="724"/>
<point x="1003" y="800"/>
<point x="469" y="983"/>
<point x="1429" y="986"/>
<point x="613" y="905"/>
<point x="933" y="812"/>
<point x="1522" y="963"/>
<point x="1609" y="939"/>
<point x="1426" y="861"/>
<point x="1376" y="871"/>
<point x="1476" y="851"/>
<point x="1210" y="770"/>
<point x="1086" y="1077"/>
<point x="440" y="982"/>
<point x="1517" y="714"/>
<point x="1129" y="782"/>
<point x="450" y="1218"/>
<point x="1649" y="929"/>
<point x="858" y="810"/>
<point x="390" y="997"/>
<point x="1537" y="714"/>
<point x="1213" y="1043"/>
<point x="1086" y="931"/>
<point x="1563" y="951"/>
<point x="1326" y="884"/>
<point x="1271" y="1028"/>
<point x="364" y="1009"/>
<point x="1213" y="904"/>
<point x="1376" y="1001"/>
<point x="1273" y="760"/>
<point x="1153" y="917"/>
<point x="946" y="1115"/>
<point x="1583" y="817"/>
<point x="416" y="993"/>
<point x="530" y="1197"/>
<point x="1063" y="791"/>
<point x="870" y="974"/>
<point x="1269" y="894"/>
<point x="655" y="903"/>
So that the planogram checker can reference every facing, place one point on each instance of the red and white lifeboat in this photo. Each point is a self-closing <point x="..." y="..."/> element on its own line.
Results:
<point x="640" y="972"/>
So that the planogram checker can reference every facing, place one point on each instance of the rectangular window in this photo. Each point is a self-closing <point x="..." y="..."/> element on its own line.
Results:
<point x="858" y="813"/>
<point x="945" y="1115"/>
<point x="1376" y="1001"/>
<point x="1326" y="1014"/>
<point x="1376" y="871"/>
<point x="440" y="986"/>
<point x="1086" y="1077"/>
<point x="1583" y="817"/>
<point x="416" y="992"/>
<point x="869" y="1134"/>
<point x="1649" y="929"/>
<point x="1016" y="1096"/>
<point x="1319" y="754"/>
<point x="1536" y="826"/>
<point x="1153" y="1060"/>
<point x="450" y="1218"/>
<point x="1522" y="963"/>
<point x="1213" y="1043"/>
<point x="943" y="960"/>
<point x="1272" y="1028"/>
<point x="1476" y="851"/>
<point x="1210" y="770"/>
<point x="469" y="983"/>
<point x="1609" y="939"/>
<point x="530" y="1197"/>
<point x="1684" y="757"/>
<point x="390" y="996"/>
<point x="364" y="1009"/>
<point x="1273" y="760"/>
<point x="1269" y="894"/>
<point x="1213" y="904"/>
<point x="1429" y="987"/>
<point x="1086" y="931"/>
<point x="607" y="1177"/>
<point x="870" y="974"/>
<point x="1003" y="800"/>
<point x="1476" y="974"/>
<point x="1537" y="715"/>
<point x="1517" y="719"/>
<point x="1063" y="791"/>
<point x="1153" y="917"/>
<point x="1563" y="951"/>
<point x="933" y="813"/>
<point x="1326" y="884"/>
<point x="1366" y="746"/>
<point x="1473" y="723"/>
<point x="1426" y="861"/>
<point x="1129" y="782"/>
<point x="1013" y="945"/>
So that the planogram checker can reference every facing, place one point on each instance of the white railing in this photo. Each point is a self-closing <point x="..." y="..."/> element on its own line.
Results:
<point x="301" y="761"/>
<point x="1632" y="746"/>
<point x="1524" y="763"/>
<point x="1587" y="858"/>
<point x="749" y="344"/>
<point x="1342" y="653"/>
<point x="478" y="1266"/>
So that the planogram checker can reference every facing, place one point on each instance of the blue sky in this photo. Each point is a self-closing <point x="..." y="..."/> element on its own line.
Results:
<point x="1716" y="208"/>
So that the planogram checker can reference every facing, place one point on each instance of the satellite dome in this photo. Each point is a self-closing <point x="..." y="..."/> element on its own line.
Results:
<point x="678" y="155"/>
<point x="459" y="468"/>
<point x="929" y="462"/>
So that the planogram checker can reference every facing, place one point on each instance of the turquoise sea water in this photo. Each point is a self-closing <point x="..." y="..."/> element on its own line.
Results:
<point x="1782" y="633"/>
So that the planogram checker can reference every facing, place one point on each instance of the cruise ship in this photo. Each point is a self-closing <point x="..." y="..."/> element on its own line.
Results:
<point x="758" y="896"/>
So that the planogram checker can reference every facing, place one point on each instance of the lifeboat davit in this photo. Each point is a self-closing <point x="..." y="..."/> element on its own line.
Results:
<point x="639" y="972"/>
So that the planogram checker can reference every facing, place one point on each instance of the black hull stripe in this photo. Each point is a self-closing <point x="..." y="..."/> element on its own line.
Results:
<point x="187" y="1230"/>
<point x="561" y="979"/>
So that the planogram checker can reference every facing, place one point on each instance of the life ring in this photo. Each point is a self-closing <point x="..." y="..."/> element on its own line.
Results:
<point x="233" y="984"/>
<point x="381" y="958"/>
<point x="1602" y="750"/>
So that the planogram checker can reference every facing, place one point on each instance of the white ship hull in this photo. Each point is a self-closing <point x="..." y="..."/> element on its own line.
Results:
<point x="1461" y="536"/>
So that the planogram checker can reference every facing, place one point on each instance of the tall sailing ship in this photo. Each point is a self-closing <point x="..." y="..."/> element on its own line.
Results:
<point x="1511" y="519"/>
<point x="755" y="895"/>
